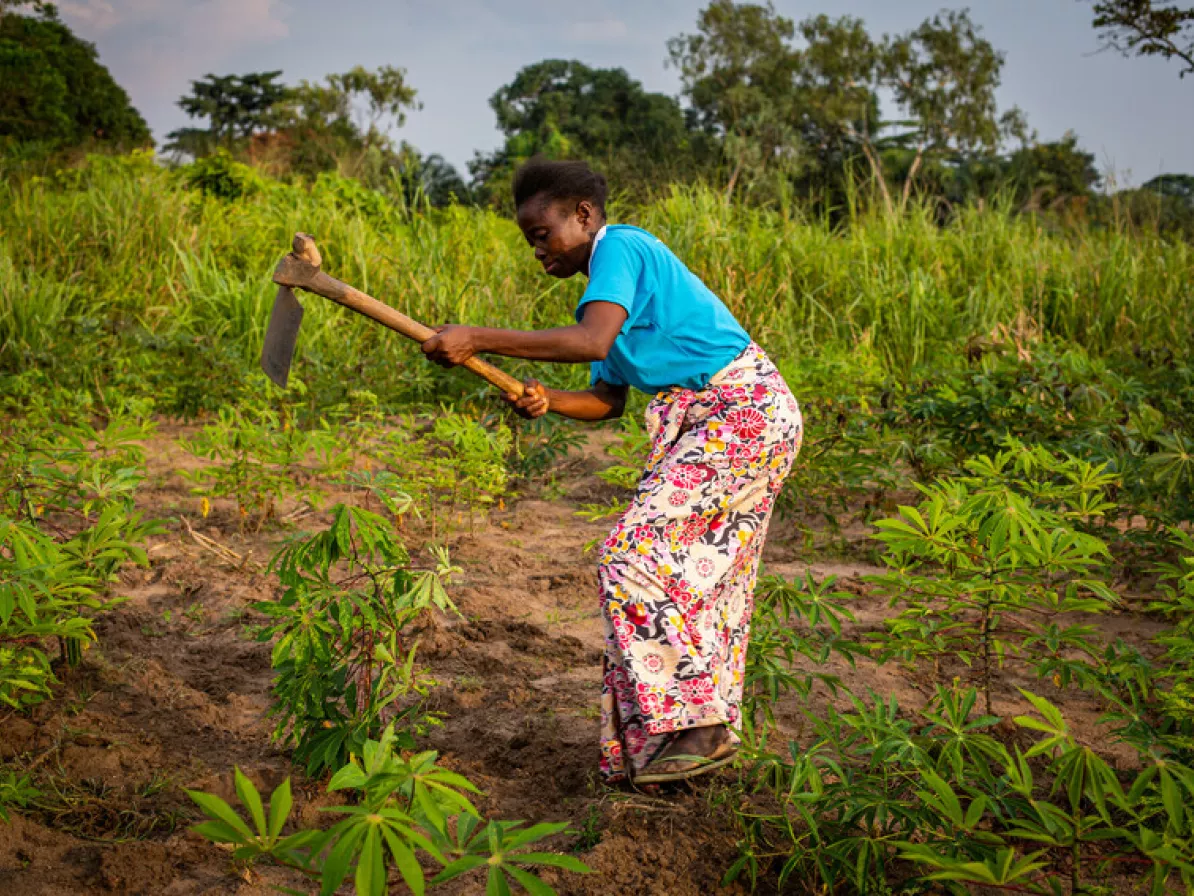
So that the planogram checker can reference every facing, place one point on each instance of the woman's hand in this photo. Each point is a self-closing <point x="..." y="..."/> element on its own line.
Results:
<point x="534" y="402"/>
<point x="451" y="345"/>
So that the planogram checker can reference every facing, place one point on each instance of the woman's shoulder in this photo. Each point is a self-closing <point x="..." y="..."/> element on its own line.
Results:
<point x="629" y="233"/>
<point x="635" y="240"/>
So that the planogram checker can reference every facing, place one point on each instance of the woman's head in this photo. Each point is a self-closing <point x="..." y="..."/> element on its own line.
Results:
<point x="561" y="206"/>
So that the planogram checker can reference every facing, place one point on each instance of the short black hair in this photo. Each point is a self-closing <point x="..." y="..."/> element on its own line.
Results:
<point x="559" y="180"/>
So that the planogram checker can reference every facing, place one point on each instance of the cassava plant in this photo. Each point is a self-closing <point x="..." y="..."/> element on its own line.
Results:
<point x="66" y="527"/>
<point x="796" y="627"/>
<point x="986" y="569"/>
<point x="877" y="787"/>
<point x="400" y="808"/>
<point x="344" y="652"/>
<point x="260" y="457"/>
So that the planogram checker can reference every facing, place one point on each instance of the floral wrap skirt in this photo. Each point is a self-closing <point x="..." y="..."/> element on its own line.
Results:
<point x="677" y="573"/>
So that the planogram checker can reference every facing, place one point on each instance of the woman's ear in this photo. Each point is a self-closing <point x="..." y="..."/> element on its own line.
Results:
<point x="585" y="213"/>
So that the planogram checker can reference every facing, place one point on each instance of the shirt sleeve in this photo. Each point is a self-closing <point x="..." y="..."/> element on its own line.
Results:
<point x="598" y="371"/>
<point x="614" y="273"/>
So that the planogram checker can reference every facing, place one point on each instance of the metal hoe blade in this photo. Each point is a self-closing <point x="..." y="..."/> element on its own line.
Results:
<point x="281" y="335"/>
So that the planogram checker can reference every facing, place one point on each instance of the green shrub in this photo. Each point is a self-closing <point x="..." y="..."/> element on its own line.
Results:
<point x="222" y="177"/>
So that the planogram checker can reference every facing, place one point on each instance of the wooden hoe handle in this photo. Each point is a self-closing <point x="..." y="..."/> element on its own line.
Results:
<point x="301" y="270"/>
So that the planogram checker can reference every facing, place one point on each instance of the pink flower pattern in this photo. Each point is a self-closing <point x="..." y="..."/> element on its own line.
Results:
<point x="725" y="450"/>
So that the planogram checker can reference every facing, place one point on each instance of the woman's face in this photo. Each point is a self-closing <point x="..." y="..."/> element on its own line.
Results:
<point x="561" y="232"/>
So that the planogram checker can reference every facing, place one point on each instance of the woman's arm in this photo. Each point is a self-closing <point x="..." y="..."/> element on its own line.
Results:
<point x="588" y="340"/>
<point x="601" y="402"/>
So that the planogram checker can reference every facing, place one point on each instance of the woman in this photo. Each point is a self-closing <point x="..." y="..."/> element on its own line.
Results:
<point x="677" y="573"/>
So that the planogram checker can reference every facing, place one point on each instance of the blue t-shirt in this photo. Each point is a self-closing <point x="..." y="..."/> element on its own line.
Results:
<point x="676" y="333"/>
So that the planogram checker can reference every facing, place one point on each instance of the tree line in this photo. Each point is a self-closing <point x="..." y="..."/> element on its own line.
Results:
<point x="771" y="111"/>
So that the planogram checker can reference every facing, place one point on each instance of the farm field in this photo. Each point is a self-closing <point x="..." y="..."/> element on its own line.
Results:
<point x="970" y="660"/>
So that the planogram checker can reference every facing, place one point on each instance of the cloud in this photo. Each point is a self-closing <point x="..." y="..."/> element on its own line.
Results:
<point x="155" y="46"/>
<point x="93" y="16"/>
<point x="598" y="31"/>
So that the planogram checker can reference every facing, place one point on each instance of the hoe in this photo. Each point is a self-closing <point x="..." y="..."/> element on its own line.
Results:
<point x="300" y="269"/>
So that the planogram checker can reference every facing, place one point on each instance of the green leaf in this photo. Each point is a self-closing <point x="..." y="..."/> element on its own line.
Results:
<point x="556" y="860"/>
<point x="495" y="884"/>
<point x="407" y="864"/>
<point x="280" y="802"/>
<point x="533" y="833"/>
<point x="347" y="776"/>
<point x="427" y="803"/>
<point x="371" y="872"/>
<point x="252" y="799"/>
<point x="457" y="868"/>
<point x="217" y="832"/>
<point x="216" y="808"/>
<point x="335" y="868"/>
<point x="529" y="882"/>
<point x="974" y="812"/>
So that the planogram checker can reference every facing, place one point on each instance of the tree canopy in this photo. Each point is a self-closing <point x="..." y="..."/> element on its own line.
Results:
<point x="55" y="91"/>
<point x="773" y="100"/>
<point x="563" y="108"/>
<point x="1148" y="28"/>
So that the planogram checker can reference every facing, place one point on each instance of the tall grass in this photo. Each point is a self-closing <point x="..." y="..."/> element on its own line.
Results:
<point x="127" y="244"/>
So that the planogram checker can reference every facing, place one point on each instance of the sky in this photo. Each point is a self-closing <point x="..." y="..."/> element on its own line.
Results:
<point x="1135" y="115"/>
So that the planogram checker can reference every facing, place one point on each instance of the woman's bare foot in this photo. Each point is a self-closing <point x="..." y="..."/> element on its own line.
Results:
<point x="709" y="743"/>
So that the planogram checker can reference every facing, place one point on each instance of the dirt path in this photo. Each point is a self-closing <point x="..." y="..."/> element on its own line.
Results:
<point x="175" y="695"/>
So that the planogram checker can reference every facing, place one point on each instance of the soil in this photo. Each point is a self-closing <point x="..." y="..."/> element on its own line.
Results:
<point x="175" y="694"/>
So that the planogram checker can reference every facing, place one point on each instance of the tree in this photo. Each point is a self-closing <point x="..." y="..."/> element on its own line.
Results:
<point x="334" y="107"/>
<point x="1042" y="174"/>
<point x="429" y="178"/>
<point x="564" y="109"/>
<point x="1177" y="186"/>
<point x="345" y="121"/>
<point x="1148" y="28"/>
<point x="838" y="76"/>
<point x="771" y="102"/>
<point x="737" y="73"/>
<point x="235" y="106"/>
<point x="944" y="76"/>
<point x="55" y="91"/>
<point x="310" y="128"/>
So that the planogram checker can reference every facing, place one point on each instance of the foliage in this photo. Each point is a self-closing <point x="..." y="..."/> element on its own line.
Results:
<point x="1126" y="416"/>
<point x="402" y="807"/>
<point x="939" y="791"/>
<point x="221" y="176"/>
<point x="1148" y="28"/>
<point x="632" y="451"/>
<point x="15" y="791"/>
<point x="945" y="75"/>
<point x="312" y="127"/>
<point x="259" y="457"/>
<point x="1044" y="174"/>
<point x="793" y="623"/>
<point x="989" y="567"/>
<point x="343" y="653"/>
<point x="56" y="93"/>
<point x="565" y="109"/>
<point x="746" y="82"/>
<point x="235" y="106"/>
<point x="66" y="527"/>
<point x="540" y="445"/>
